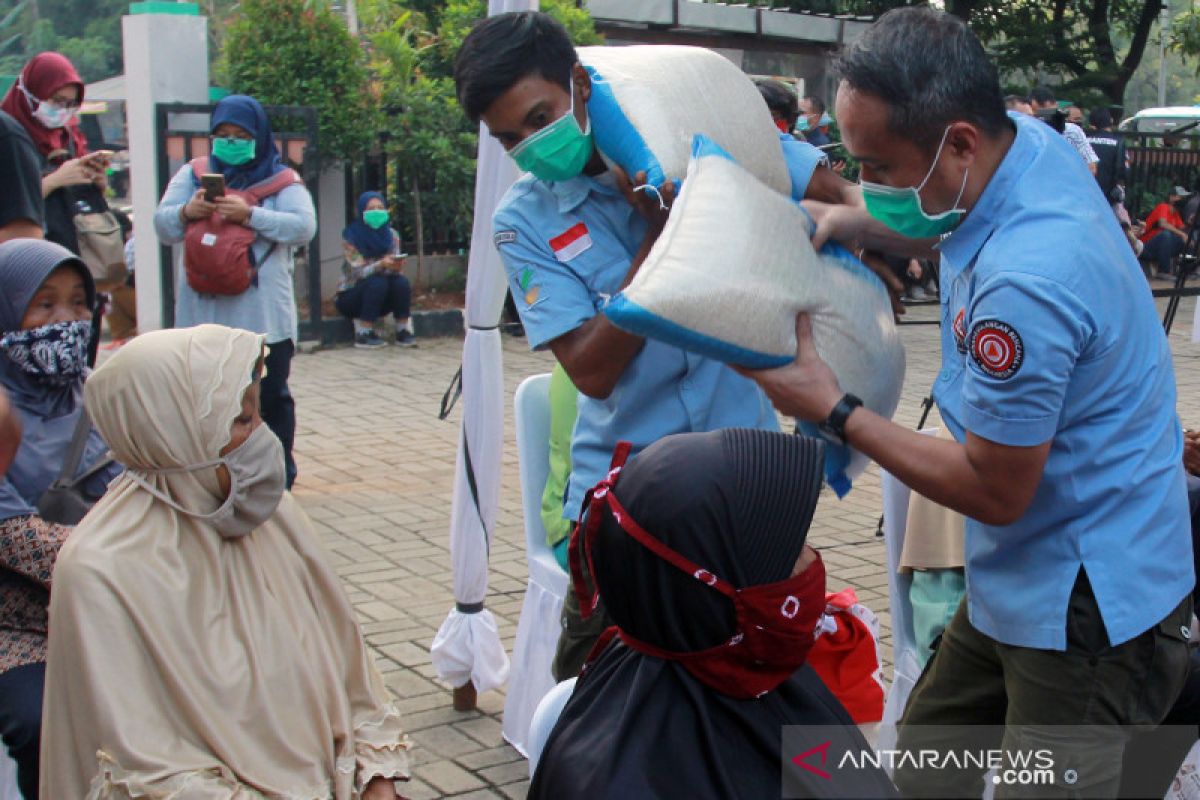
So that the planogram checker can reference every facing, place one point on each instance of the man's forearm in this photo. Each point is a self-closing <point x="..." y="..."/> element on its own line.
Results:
<point x="939" y="469"/>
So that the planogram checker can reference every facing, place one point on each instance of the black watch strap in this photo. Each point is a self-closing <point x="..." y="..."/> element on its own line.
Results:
<point x="835" y="425"/>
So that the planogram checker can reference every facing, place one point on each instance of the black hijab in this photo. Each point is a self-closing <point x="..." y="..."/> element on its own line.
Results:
<point x="738" y="503"/>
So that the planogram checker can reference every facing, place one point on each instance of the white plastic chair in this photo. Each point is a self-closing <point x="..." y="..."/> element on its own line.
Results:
<point x="538" y="629"/>
<point x="544" y="719"/>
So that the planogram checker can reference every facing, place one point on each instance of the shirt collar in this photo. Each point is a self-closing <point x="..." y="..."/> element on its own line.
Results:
<point x="571" y="193"/>
<point x="962" y="245"/>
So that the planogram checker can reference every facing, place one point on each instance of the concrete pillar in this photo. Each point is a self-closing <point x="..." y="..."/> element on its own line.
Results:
<point x="166" y="61"/>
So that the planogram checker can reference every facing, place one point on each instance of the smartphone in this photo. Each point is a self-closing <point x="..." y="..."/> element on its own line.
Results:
<point x="100" y="157"/>
<point x="213" y="184"/>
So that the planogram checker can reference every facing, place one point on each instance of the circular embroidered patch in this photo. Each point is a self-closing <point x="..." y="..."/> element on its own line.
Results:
<point x="996" y="347"/>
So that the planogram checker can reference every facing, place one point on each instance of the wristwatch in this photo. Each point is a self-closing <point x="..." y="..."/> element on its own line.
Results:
<point x="834" y="426"/>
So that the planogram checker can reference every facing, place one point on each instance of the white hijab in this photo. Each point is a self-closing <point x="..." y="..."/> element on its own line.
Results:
<point x="184" y="664"/>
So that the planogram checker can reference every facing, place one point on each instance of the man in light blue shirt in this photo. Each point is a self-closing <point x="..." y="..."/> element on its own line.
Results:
<point x="1057" y="384"/>
<point x="572" y="234"/>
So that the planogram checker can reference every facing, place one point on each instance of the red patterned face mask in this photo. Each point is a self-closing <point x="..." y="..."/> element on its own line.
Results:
<point x="776" y="622"/>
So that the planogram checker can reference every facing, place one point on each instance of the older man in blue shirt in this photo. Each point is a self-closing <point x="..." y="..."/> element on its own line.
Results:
<point x="1057" y="384"/>
<point x="572" y="233"/>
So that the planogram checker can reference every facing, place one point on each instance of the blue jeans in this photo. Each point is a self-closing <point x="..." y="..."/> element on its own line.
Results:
<point x="376" y="295"/>
<point x="1162" y="250"/>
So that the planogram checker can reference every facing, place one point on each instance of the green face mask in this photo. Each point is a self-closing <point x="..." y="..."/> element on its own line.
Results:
<point x="233" y="151"/>
<point x="900" y="208"/>
<point x="557" y="152"/>
<point x="375" y="217"/>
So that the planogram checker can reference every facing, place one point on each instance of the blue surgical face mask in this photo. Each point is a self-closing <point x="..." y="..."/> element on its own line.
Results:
<point x="802" y="123"/>
<point x="900" y="207"/>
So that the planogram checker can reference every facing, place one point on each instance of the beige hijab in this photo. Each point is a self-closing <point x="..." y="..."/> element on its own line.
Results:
<point x="183" y="664"/>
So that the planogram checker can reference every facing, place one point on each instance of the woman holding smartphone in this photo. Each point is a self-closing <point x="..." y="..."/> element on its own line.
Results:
<point x="244" y="155"/>
<point x="45" y="99"/>
<point x="373" y="283"/>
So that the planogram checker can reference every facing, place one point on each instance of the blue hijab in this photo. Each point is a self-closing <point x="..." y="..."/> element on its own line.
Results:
<point x="371" y="243"/>
<point x="24" y="266"/>
<point x="48" y="413"/>
<point x="248" y="114"/>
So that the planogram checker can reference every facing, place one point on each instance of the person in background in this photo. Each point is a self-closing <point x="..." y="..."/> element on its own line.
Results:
<point x="245" y="153"/>
<point x="373" y="282"/>
<point x="1042" y="99"/>
<point x="22" y="209"/>
<point x="201" y="645"/>
<point x="45" y="100"/>
<point x="782" y="102"/>
<point x="1075" y="115"/>
<point x="689" y="698"/>
<point x="814" y="122"/>
<point x="1165" y="234"/>
<point x="46" y="297"/>
<point x="1014" y="102"/>
<point x="1110" y="150"/>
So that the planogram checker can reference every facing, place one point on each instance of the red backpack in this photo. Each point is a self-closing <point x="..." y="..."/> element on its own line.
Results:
<point x="217" y="254"/>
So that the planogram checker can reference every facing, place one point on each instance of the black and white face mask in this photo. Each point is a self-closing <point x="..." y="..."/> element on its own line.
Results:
<point x="55" y="354"/>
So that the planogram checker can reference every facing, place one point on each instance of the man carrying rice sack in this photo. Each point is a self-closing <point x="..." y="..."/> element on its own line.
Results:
<point x="573" y="232"/>
<point x="1057" y="385"/>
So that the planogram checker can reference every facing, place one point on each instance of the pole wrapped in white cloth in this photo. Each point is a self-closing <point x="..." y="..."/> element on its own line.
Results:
<point x="467" y="647"/>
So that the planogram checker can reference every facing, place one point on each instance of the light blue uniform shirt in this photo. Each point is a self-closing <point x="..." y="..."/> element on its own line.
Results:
<point x="286" y="219"/>
<point x="567" y="247"/>
<point x="1049" y="333"/>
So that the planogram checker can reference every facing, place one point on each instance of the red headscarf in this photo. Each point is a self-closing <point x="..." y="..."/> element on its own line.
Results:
<point x="43" y="75"/>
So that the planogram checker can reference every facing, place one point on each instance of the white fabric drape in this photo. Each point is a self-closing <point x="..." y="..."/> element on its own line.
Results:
<point x="467" y="647"/>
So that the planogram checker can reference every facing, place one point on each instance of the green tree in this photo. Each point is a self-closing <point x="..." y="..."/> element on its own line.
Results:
<point x="429" y="141"/>
<point x="293" y="52"/>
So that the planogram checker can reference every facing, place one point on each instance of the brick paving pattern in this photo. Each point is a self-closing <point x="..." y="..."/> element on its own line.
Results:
<point x="376" y="475"/>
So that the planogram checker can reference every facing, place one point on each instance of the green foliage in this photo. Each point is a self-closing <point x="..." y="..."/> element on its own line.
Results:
<point x="428" y="139"/>
<point x="293" y="52"/>
<point x="86" y="31"/>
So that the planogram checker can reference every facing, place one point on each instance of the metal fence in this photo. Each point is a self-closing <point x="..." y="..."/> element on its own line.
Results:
<point x="1156" y="164"/>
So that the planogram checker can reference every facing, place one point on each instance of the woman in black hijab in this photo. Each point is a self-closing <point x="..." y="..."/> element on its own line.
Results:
<point x="691" y="696"/>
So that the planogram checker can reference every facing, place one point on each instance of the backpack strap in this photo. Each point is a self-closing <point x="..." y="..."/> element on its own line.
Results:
<point x="199" y="166"/>
<point x="273" y="185"/>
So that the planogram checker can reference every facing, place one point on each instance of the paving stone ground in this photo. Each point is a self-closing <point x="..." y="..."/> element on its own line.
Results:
<point x="376" y="475"/>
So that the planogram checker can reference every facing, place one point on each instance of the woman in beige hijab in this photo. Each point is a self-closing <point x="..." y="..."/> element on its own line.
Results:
<point x="201" y="646"/>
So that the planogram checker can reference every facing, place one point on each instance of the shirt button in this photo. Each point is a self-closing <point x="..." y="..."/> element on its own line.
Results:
<point x="1185" y="631"/>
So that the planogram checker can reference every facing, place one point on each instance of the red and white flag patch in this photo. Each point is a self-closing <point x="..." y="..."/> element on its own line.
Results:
<point x="571" y="242"/>
<point x="997" y="348"/>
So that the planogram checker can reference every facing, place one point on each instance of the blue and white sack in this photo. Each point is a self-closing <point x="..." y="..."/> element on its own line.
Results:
<point x="649" y="100"/>
<point x="729" y="273"/>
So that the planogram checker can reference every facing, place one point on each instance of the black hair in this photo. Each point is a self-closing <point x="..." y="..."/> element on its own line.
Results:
<point x="1042" y="94"/>
<point x="818" y="105"/>
<point x="780" y="99"/>
<point x="501" y="50"/>
<point x="930" y="71"/>
<point x="1013" y="100"/>
<point x="1100" y="118"/>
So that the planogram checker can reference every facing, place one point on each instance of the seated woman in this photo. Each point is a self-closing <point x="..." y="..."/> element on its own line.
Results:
<point x="46" y="297"/>
<point x="690" y="697"/>
<point x="373" y="283"/>
<point x="202" y="646"/>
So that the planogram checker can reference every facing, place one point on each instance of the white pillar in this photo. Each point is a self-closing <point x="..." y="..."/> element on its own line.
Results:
<point x="166" y="60"/>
